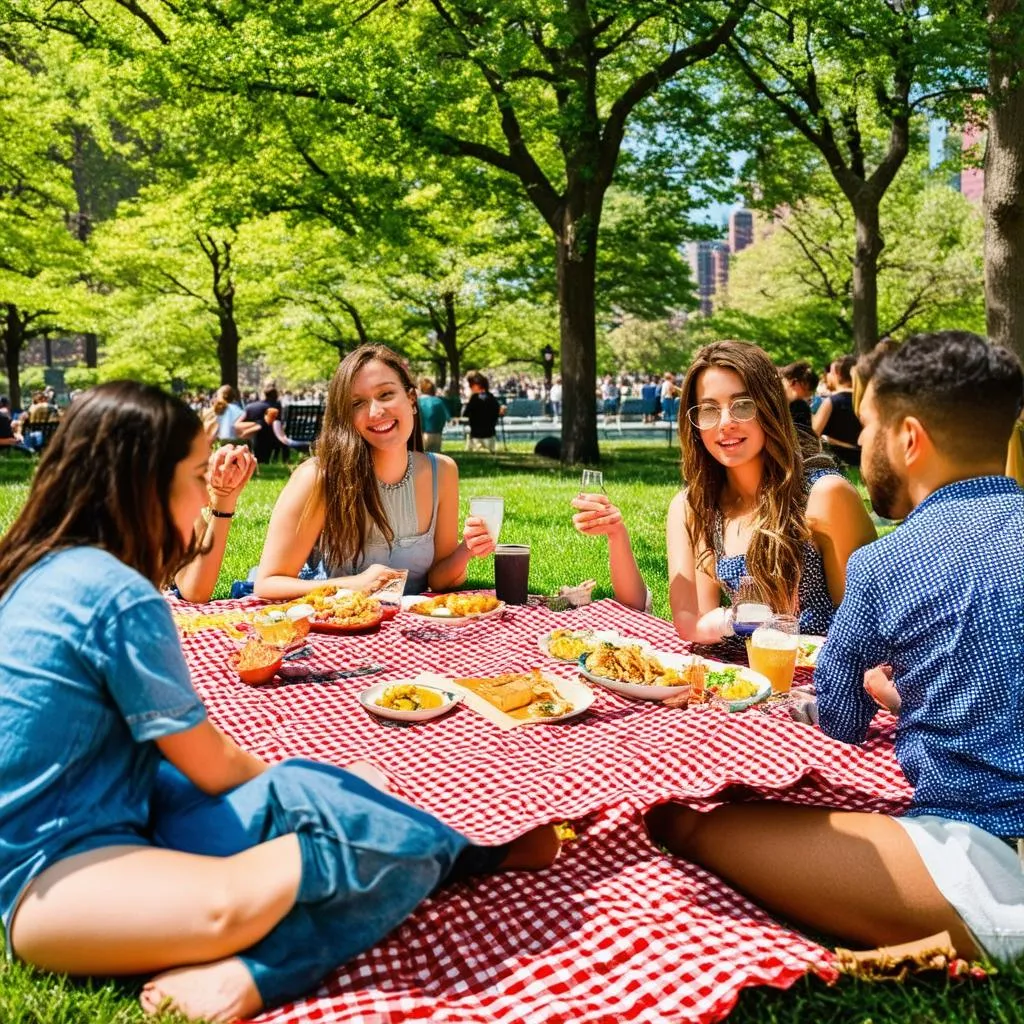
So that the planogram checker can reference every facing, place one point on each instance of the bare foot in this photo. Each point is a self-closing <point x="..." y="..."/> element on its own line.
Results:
<point x="221" y="991"/>
<point x="533" y="851"/>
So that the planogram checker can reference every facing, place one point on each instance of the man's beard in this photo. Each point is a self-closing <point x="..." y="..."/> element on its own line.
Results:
<point x="884" y="487"/>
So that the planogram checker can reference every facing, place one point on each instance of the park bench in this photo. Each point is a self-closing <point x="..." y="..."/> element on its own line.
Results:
<point x="302" y="422"/>
<point x="524" y="409"/>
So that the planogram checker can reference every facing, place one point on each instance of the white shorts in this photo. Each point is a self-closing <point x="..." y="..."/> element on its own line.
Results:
<point x="981" y="877"/>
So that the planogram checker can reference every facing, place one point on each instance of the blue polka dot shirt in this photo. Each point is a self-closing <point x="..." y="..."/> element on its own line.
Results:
<point x="941" y="600"/>
<point x="816" y="609"/>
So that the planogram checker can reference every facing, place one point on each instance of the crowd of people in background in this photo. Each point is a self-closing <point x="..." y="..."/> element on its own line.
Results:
<point x="822" y="405"/>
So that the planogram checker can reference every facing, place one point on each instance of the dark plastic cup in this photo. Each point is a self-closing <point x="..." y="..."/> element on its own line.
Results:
<point x="512" y="573"/>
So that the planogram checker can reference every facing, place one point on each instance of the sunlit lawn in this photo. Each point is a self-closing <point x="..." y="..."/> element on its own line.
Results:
<point x="641" y="478"/>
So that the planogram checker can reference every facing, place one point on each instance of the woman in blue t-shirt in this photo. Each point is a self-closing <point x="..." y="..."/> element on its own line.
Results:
<point x="135" y="836"/>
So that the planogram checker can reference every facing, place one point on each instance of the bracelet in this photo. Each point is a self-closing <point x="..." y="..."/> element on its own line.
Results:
<point x="220" y="515"/>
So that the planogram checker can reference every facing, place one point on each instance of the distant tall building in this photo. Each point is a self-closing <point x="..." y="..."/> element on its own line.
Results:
<point x="709" y="265"/>
<point x="720" y="267"/>
<point x="741" y="230"/>
<point x="972" y="179"/>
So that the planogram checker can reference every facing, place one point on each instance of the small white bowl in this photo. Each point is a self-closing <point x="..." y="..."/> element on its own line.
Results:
<point x="369" y="697"/>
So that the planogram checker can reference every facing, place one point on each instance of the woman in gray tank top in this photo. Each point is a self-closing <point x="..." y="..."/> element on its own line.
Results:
<point x="371" y="502"/>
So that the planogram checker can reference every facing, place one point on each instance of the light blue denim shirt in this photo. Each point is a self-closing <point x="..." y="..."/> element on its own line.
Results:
<point x="92" y="672"/>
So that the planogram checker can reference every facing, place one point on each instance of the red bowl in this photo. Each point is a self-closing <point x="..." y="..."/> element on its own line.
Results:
<point x="257" y="676"/>
<point x="342" y="629"/>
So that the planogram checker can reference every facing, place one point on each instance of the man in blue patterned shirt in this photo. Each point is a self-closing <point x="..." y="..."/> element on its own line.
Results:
<point x="932" y="625"/>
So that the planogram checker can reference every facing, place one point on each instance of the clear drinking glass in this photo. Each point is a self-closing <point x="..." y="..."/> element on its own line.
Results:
<point x="751" y="607"/>
<point x="491" y="510"/>
<point x="592" y="482"/>
<point x="771" y="650"/>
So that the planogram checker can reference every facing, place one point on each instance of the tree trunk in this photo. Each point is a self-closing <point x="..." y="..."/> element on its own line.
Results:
<point x="14" y="340"/>
<point x="869" y="245"/>
<point x="1004" y="196"/>
<point x="227" y="346"/>
<point x="448" y="336"/>
<point x="576" y="255"/>
<point x="441" y="372"/>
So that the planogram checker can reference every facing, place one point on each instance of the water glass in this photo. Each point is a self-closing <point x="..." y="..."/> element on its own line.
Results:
<point x="750" y="607"/>
<point x="592" y="482"/>
<point x="491" y="510"/>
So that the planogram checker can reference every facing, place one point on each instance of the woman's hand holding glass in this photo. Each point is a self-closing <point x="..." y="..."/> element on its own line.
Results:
<point x="477" y="537"/>
<point x="596" y="516"/>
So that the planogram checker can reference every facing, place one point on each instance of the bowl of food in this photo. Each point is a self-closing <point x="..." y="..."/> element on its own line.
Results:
<point x="734" y="686"/>
<point x="569" y="644"/>
<point x="346" y="613"/>
<point x="256" y="663"/>
<point x="455" y="609"/>
<point x="638" y="672"/>
<point x="408" y="702"/>
<point x="283" y="625"/>
<point x="807" y="650"/>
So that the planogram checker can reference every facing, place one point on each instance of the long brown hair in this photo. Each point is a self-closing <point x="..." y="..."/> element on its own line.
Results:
<point x="775" y="554"/>
<point x="105" y="481"/>
<point x="347" y="484"/>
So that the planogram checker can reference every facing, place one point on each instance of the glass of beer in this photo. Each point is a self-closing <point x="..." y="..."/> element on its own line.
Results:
<point x="771" y="650"/>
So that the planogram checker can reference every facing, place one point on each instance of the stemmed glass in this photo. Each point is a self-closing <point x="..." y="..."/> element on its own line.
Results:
<point x="592" y="482"/>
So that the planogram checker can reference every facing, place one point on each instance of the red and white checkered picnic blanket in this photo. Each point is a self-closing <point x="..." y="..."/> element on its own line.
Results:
<point x="616" y="930"/>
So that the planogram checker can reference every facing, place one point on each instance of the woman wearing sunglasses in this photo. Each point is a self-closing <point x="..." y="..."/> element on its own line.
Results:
<point x="752" y="505"/>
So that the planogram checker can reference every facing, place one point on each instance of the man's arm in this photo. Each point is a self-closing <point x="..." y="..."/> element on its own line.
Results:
<point x="844" y="710"/>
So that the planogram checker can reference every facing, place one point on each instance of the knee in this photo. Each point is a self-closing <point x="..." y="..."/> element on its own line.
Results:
<point x="676" y="828"/>
<point x="221" y="913"/>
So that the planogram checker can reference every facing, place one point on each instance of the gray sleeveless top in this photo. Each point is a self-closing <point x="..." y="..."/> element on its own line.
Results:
<point x="409" y="550"/>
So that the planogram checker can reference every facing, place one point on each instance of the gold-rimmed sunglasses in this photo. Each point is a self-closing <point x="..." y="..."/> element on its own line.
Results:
<point x="707" y="416"/>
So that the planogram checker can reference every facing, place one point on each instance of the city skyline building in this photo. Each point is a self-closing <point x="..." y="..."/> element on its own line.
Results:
<point x="709" y="260"/>
<point x="741" y="230"/>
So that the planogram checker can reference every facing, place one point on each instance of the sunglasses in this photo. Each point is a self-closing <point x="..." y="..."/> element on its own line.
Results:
<point x="709" y="415"/>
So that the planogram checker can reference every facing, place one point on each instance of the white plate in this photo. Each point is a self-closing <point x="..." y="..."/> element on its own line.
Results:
<point x="643" y="691"/>
<point x="450" y="620"/>
<point x="577" y="693"/>
<point x="764" y="686"/>
<point x="369" y="697"/>
<point x="607" y="636"/>
<point x="811" y="660"/>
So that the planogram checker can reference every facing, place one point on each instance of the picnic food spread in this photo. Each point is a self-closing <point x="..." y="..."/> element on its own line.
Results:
<point x="456" y="605"/>
<point x="569" y="644"/>
<point x="807" y="650"/>
<point x="520" y="694"/>
<point x="347" y="611"/>
<point x="632" y="664"/>
<point x="409" y="697"/>
<point x="282" y="625"/>
<point x="256" y="662"/>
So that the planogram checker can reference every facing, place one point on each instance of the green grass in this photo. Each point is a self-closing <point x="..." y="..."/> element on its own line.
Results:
<point x="537" y="492"/>
<point x="641" y="478"/>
